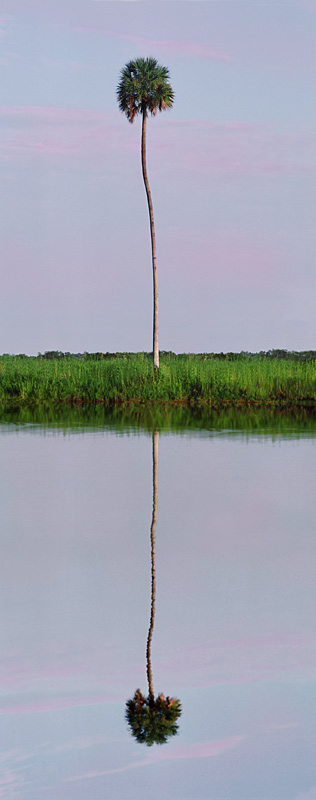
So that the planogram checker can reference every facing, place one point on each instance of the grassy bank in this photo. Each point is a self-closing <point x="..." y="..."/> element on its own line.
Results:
<point x="194" y="380"/>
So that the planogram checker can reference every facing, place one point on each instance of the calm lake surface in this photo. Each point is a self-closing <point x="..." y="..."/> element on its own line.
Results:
<point x="234" y="636"/>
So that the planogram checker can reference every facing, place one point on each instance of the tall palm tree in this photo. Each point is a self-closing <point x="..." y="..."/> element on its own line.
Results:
<point x="144" y="87"/>
<point x="152" y="720"/>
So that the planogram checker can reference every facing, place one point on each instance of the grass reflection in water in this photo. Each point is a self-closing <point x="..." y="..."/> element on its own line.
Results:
<point x="286" y="422"/>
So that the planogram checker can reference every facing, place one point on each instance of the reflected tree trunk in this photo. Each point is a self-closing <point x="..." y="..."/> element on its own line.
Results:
<point x="155" y="445"/>
<point x="152" y="720"/>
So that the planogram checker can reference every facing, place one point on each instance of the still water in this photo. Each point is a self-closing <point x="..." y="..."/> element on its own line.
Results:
<point x="235" y="611"/>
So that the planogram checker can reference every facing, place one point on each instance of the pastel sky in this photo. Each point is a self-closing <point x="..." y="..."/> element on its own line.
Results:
<point x="231" y="168"/>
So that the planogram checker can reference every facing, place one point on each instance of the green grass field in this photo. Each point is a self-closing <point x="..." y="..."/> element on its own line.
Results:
<point x="193" y="380"/>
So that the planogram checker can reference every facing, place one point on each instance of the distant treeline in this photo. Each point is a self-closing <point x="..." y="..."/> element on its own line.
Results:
<point x="287" y="355"/>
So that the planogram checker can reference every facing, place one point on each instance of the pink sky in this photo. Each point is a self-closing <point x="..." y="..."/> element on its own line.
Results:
<point x="232" y="172"/>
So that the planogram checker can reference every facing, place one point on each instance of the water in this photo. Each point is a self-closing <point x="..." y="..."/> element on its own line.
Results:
<point x="234" y="635"/>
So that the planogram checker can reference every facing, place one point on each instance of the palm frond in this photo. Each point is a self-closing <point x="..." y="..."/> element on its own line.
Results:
<point x="152" y="721"/>
<point x="144" y="86"/>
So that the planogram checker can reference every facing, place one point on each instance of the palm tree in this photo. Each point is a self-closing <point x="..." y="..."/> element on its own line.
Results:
<point x="152" y="719"/>
<point x="144" y="87"/>
<point x="152" y="724"/>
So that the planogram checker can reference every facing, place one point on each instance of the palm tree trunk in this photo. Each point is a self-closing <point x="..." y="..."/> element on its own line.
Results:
<point x="153" y="566"/>
<point x="153" y="245"/>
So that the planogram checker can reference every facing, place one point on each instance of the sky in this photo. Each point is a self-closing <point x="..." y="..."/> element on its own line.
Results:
<point x="231" y="169"/>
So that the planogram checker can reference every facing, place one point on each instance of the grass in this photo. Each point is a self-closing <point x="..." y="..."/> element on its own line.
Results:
<point x="191" y="380"/>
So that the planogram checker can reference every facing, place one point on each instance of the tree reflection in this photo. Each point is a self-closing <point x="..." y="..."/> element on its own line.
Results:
<point x="152" y="720"/>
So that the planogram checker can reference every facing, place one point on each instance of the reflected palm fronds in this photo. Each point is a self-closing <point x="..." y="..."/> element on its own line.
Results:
<point x="150" y="720"/>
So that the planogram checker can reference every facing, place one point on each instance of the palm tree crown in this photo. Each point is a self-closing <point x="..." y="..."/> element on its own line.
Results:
<point x="152" y="721"/>
<point x="144" y="86"/>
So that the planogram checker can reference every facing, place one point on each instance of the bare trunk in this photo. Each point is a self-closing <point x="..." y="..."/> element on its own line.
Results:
<point x="153" y="245"/>
<point x="153" y="566"/>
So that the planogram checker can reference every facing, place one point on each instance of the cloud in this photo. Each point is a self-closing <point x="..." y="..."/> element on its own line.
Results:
<point x="50" y="113"/>
<point x="196" y="146"/>
<point x="172" y="46"/>
<point x="14" y="764"/>
<point x="4" y="24"/>
<point x="232" y="255"/>
<point x="309" y="795"/>
<point x="9" y="783"/>
<point x="205" y="749"/>
<point x="8" y="55"/>
<point x="48" y="131"/>
<point x="234" y="148"/>
<point x="60" y="703"/>
<point x="176" y="47"/>
<point x="202" y="750"/>
<point x="74" y="66"/>
<point x="80" y="743"/>
<point x="239" y="661"/>
<point x="307" y="5"/>
<point x="283" y="726"/>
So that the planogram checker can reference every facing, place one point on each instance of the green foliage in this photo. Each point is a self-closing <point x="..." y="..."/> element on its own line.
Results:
<point x="144" y="86"/>
<point x="152" y="721"/>
<point x="121" y="379"/>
